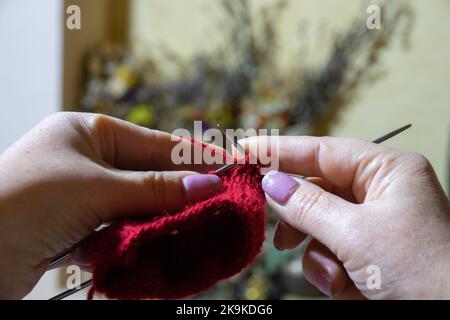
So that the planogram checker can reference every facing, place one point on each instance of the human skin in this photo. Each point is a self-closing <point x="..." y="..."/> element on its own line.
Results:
<point x="73" y="172"/>
<point x="365" y="205"/>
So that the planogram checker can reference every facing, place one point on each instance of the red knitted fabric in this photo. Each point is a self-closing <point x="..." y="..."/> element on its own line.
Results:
<point x="173" y="256"/>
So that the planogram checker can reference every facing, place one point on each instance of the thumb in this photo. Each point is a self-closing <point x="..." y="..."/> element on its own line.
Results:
<point x="308" y="208"/>
<point x="137" y="193"/>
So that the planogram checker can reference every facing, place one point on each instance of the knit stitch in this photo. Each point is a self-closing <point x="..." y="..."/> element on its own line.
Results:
<point x="173" y="256"/>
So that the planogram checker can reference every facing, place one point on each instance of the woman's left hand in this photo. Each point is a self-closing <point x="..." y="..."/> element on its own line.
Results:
<point x="74" y="172"/>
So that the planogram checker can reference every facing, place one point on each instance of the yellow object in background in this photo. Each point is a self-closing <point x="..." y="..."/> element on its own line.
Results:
<point x="142" y="115"/>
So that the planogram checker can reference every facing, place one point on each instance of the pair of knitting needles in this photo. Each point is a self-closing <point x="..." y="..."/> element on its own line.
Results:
<point x="241" y="149"/>
<point x="65" y="257"/>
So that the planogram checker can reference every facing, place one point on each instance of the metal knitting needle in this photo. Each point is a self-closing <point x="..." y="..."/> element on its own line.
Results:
<point x="241" y="148"/>
<point x="59" y="260"/>
<point x="70" y="292"/>
<point x="238" y="146"/>
<point x="232" y="140"/>
<point x="391" y="134"/>
<point x="227" y="167"/>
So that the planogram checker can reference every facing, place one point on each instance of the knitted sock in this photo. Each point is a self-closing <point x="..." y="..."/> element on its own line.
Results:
<point x="172" y="256"/>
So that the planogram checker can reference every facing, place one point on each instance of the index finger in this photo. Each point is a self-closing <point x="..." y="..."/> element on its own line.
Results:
<point x="345" y="162"/>
<point x="126" y="146"/>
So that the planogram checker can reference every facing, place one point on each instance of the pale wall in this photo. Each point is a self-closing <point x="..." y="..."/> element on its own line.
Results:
<point x="30" y="65"/>
<point x="416" y="88"/>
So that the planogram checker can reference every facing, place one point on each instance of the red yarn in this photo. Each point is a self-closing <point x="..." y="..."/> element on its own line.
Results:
<point x="173" y="256"/>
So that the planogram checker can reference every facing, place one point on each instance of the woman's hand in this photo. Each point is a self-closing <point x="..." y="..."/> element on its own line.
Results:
<point x="74" y="172"/>
<point x="369" y="209"/>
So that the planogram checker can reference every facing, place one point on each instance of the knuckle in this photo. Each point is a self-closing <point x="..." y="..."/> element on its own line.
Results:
<point x="305" y="203"/>
<point x="97" y="121"/>
<point x="104" y="139"/>
<point x="156" y="183"/>
<point x="418" y="161"/>
<point x="55" y="117"/>
<point x="97" y="125"/>
<point x="62" y="118"/>
<point x="59" y="124"/>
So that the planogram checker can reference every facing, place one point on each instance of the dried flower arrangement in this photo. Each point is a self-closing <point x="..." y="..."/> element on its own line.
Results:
<point x="239" y="85"/>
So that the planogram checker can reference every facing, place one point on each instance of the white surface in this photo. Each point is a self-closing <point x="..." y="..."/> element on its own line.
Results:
<point x="30" y="64"/>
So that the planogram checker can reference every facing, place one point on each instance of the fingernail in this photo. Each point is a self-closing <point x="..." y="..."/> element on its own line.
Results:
<point x="276" y="238"/>
<point x="279" y="186"/>
<point x="201" y="187"/>
<point x="323" y="283"/>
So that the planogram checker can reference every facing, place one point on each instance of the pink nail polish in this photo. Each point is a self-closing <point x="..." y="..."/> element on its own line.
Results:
<point x="279" y="186"/>
<point x="201" y="187"/>
<point x="276" y="238"/>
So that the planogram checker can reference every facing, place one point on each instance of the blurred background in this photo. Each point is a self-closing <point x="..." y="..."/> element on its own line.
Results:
<point x="301" y="66"/>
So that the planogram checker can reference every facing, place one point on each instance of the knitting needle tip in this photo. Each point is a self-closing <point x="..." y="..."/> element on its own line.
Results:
<point x="232" y="140"/>
<point x="391" y="134"/>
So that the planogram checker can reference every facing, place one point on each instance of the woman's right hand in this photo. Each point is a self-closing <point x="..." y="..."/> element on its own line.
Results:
<point x="379" y="218"/>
